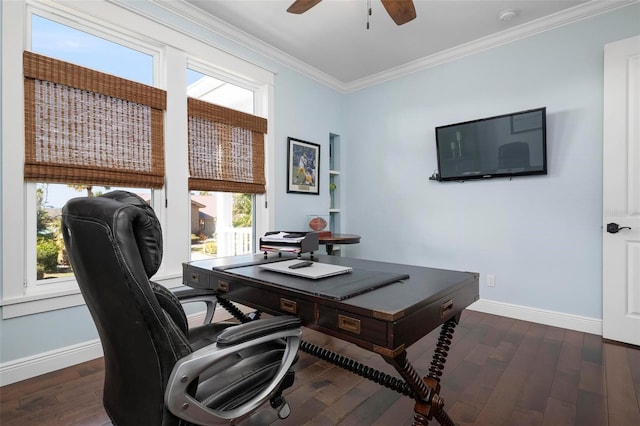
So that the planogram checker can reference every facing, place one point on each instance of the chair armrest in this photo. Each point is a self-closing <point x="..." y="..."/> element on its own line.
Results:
<point x="192" y="295"/>
<point x="188" y="292"/>
<point x="186" y="370"/>
<point x="254" y="329"/>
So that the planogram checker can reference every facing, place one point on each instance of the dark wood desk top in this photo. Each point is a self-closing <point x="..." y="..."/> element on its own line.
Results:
<point x="340" y="239"/>
<point x="385" y="320"/>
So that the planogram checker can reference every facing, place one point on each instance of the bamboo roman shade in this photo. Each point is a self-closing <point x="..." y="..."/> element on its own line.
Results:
<point x="86" y="127"/>
<point x="226" y="149"/>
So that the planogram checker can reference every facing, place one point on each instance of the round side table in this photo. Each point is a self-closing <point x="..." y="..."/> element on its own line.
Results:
<point x="331" y="240"/>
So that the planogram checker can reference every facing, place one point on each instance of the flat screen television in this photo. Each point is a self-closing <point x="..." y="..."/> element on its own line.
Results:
<point x="502" y="146"/>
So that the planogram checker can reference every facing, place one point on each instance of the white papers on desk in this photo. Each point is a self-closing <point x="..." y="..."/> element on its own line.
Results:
<point x="283" y="237"/>
<point x="315" y="271"/>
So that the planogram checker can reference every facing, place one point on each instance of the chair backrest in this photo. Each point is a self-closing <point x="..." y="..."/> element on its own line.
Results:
<point x="114" y="244"/>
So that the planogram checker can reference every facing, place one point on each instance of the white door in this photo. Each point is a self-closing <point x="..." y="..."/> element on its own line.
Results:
<point x="621" y="192"/>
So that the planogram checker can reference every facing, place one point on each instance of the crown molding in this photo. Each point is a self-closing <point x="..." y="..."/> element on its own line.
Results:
<point x="221" y="28"/>
<point x="235" y="35"/>
<point x="550" y="22"/>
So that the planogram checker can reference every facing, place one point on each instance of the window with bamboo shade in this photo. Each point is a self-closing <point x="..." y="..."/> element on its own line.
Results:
<point x="226" y="149"/>
<point x="87" y="127"/>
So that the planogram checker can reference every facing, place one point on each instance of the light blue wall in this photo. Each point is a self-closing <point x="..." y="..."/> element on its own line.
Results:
<point x="307" y="111"/>
<point x="540" y="236"/>
<point x="34" y="334"/>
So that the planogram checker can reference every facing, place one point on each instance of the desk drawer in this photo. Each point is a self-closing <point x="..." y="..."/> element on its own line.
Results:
<point x="195" y="277"/>
<point x="266" y="300"/>
<point x="368" y="329"/>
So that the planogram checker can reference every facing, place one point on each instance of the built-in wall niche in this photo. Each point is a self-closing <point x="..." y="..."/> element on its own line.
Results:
<point x="334" y="183"/>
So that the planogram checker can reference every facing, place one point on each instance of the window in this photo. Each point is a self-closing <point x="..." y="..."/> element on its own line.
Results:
<point x="215" y="91"/>
<point x="146" y="52"/>
<point x="69" y="111"/>
<point x="221" y="222"/>
<point x="68" y="44"/>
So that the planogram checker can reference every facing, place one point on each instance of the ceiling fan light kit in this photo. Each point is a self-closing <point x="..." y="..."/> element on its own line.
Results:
<point x="401" y="11"/>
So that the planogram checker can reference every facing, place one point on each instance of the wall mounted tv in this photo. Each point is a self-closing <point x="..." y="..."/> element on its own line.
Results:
<point x="502" y="146"/>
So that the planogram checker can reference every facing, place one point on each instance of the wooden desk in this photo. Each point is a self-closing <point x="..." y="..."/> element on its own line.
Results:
<point x="386" y="320"/>
<point x="331" y="240"/>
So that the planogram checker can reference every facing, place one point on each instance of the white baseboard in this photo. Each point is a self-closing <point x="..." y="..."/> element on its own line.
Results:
<point x="540" y="316"/>
<point x="46" y="362"/>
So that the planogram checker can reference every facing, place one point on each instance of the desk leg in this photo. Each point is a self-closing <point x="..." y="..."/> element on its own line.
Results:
<point x="435" y="371"/>
<point x="358" y="368"/>
<point x="329" y="249"/>
<point x="237" y="313"/>
<point x="423" y="393"/>
<point x="428" y="401"/>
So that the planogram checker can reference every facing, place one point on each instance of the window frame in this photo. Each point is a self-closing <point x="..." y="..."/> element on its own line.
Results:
<point x="172" y="51"/>
<point x="259" y="211"/>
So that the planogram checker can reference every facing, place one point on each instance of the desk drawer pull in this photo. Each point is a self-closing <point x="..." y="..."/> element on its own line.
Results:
<point x="195" y="277"/>
<point x="445" y="308"/>
<point x="223" y="286"/>
<point x="289" y="306"/>
<point x="349" y="324"/>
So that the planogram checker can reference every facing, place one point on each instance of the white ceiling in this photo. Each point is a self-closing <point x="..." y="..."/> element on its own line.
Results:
<point x="331" y="40"/>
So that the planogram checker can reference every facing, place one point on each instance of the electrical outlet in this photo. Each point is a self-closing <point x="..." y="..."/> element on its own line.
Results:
<point x="491" y="280"/>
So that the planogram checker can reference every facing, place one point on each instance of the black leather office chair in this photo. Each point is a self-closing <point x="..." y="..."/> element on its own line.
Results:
<point x="157" y="371"/>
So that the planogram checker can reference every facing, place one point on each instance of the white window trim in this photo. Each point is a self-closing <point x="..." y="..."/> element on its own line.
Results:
<point x="263" y="100"/>
<point x="18" y="245"/>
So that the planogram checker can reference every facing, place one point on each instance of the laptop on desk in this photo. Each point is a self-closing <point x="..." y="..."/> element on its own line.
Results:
<point x="334" y="281"/>
<point x="315" y="271"/>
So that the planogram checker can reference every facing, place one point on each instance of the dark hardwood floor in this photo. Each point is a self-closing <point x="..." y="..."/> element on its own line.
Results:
<point x="499" y="371"/>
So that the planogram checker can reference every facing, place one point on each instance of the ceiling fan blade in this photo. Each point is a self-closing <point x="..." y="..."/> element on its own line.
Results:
<point x="401" y="11"/>
<point x="301" y="6"/>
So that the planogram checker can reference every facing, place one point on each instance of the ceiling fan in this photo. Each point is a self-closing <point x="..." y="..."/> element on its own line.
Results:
<point x="401" y="11"/>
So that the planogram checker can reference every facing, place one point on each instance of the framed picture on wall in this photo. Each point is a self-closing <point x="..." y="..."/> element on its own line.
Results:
<point x="303" y="167"/>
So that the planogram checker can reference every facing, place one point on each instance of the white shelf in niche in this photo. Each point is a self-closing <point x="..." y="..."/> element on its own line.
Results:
<point x="335" y="182"/>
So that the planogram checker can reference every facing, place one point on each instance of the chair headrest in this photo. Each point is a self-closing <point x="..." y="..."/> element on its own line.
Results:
<point x="147" y="231"/>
